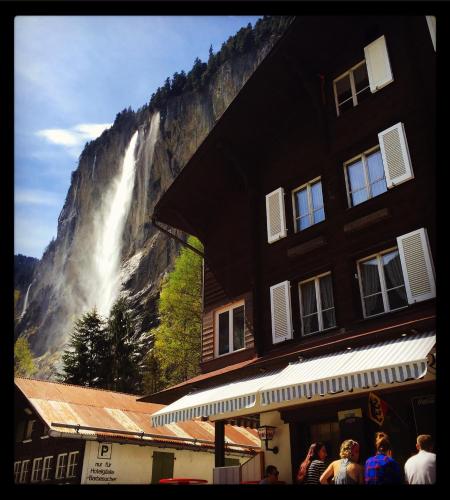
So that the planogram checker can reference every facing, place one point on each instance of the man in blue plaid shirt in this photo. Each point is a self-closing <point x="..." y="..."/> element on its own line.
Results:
<point x="382" y="468"/>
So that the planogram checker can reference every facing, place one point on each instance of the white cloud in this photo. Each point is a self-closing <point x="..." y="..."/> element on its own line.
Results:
<point x="36" y="197"/>
<point x="75" y="136"/>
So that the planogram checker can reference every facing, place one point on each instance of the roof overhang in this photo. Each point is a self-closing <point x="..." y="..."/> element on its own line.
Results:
<point x="361" y="369"/>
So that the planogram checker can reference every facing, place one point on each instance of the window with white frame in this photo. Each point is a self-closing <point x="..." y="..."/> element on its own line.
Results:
<point x="308" y="205"/>
<point x="351" y="87"/>
<point x="24" y="471"/>
<point x="368" y="76"/>
<point x="17" y="471"/>
<point x="37" y="470"/>
<point x="230" y="329"/>
<point x="317" y="304"/>
<point x="72" y="464"/>
<point x="47" y="468"/>
<point x="61" y="466"/>
<point x="365" y="177"/>
<point x="381" y="283"/>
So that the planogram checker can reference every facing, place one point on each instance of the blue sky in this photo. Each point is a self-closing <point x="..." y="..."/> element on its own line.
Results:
<point x="72" y="75"/>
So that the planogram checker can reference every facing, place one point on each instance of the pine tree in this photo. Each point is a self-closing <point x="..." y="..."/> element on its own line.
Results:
<point x="86" y="360"/>
<point x="125" y="354"/>
<point x="23" y="359"/>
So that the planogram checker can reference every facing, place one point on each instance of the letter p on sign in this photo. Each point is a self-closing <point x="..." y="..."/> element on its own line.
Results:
<point x="104" y="450"/>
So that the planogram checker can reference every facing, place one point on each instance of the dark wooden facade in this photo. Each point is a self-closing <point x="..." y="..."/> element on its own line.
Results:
<point x="311" y="141"/>
<point x="38" y="444"/>
<point x="282" y="130"/>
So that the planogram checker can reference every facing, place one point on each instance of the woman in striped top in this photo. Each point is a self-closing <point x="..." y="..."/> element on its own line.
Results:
<point x="314" y="464"/>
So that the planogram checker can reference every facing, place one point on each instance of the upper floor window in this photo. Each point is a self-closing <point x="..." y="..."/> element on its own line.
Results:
<point x="365" y="176"/>
<point x="61" y="466"/>
<point x="308" y="205"/>
<point x="24" y="471"/>
<point x="317" y="304"/>
<point x="230" y="329"/>
<point x="351" y="87"/>
<point x="368" y="76"/>
<point x="72" y="464"/>
<point x="46" y="470"/>
<point x="36" y="471"/>
<point x="17" y="471"/>
<point x="381" y="283"/>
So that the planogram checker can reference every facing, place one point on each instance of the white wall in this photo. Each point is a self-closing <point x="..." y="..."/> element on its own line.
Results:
<point x="281" y="460"/>
<point x="114" y="463"/>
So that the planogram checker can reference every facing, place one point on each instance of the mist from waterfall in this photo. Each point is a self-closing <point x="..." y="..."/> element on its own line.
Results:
<point x="108" y="246"/>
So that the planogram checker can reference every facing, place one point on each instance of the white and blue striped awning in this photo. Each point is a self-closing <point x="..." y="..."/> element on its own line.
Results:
<point x="233" y="397"/>
<point x="358" y="368"/>
<point x="365" y="367"/>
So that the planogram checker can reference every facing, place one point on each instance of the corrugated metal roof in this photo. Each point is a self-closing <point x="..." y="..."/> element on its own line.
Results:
<point x="119" y="416"/>
<point x="363" y="367"/>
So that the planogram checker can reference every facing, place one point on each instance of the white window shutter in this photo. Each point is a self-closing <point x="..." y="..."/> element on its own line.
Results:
<point x="417" y="266"/>
<point x="276" y="221"/>
<point x="395" y="153"/>
<point x="431" y="21"/>
<point x="280" y="304"/>
<point x="378" y="65"/>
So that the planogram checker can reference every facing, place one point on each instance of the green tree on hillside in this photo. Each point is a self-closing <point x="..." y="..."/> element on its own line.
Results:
<point x="177" y="339"/>
<point x="125" y="353"/>
<point x="84" y="363"/>
<point x="23" y="359"/>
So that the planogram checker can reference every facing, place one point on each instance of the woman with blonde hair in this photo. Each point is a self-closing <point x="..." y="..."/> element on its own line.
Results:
<point x="346" y="470"/>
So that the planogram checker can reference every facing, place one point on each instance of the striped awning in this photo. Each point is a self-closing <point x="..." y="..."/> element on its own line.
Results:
<point x="227" y="398"/>
<point x="365" y="367"/>
<point x="358" y="368"/>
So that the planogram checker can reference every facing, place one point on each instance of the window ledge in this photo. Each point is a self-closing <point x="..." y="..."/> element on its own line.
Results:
<point x="367" y="220"/>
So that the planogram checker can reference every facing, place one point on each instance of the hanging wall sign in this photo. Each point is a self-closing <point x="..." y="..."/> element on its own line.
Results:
<point x="377" y="408"/>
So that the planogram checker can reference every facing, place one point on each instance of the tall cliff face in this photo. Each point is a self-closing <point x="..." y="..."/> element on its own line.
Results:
<point x="66" y="279"/>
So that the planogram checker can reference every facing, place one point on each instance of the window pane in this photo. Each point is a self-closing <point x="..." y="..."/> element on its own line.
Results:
<point x="359" y="196"/>
<point x="361" y="78"/>
<point x="374" y="305"/>
<point x="343" y="89"/>
<point x="238" y="328"/>
<point x="302" y="203"/>
<point x="375" y="166"/>
<point x="308" y="292"/>
<point x="316" y="195"/>
<point x="326" y="292"/>
<point x="329" y="319"/>
<point x="319" y="216"/>
<point x="369" y="277"/>
<point x="379" y="187"/>
<point x="224" y="343"/>
<point x="304" y="222"/>
<point x="310" y="324"/>
<point x="397" y="298"/>
<point x="356" y="178"/>
<point x="392" y="267"/>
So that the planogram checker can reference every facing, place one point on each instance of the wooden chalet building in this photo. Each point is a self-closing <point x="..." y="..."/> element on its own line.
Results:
<point x="314" y="197"/>
<point x="67" y="434"/>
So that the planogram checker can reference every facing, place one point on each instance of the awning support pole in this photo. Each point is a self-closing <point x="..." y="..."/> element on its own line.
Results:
<point x="219" y="442"/>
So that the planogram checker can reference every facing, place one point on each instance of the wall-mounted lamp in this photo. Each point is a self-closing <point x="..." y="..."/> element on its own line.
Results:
<point x="266" y="433"/>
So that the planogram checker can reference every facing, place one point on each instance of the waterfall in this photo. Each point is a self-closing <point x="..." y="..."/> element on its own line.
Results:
<point x="25" y="304"/>
<point x="108" y="247"/>
<point x="93" y="166"/>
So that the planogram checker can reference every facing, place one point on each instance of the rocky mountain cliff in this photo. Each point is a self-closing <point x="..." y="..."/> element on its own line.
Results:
<point x="65" y="280"/>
